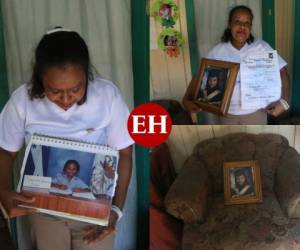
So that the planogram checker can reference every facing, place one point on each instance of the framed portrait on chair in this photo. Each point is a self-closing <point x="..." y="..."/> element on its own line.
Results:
<point x="242" y="182"/>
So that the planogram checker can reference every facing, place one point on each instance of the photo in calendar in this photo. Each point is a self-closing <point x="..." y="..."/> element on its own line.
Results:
<point x="69" y="177"/>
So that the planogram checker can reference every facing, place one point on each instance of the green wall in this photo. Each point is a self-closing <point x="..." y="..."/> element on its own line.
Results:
<point x="296" y="76"/>
<point x="192" y="36"/>
<point x="140" y="60"/>
<point x="268" y="21"/>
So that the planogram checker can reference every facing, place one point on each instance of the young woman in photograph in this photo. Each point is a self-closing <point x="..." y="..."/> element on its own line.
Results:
<point x="69" y="180"/>
<point x="242" y="186"/>
<point x="64" y="98"/>
<point x="212" y="93"/>
<point x="237" y="42"/>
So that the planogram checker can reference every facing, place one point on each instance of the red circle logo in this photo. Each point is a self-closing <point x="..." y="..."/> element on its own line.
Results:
<point x="149" y="124"/>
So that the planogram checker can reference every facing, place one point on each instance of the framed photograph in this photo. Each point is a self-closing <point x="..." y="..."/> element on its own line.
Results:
<point x="214" y="85"/>
<point x="242" y="182"/>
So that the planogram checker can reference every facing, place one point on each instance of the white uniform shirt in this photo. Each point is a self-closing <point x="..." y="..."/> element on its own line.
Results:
<point x="101" y="119"/>
<point x="75" y="182"/>
<point x="226" y="52"/>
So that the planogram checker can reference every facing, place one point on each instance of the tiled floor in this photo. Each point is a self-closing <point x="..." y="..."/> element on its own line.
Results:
<point x="5" y="242"/>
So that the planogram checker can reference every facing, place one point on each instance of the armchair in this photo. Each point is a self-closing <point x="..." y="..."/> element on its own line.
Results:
<point x="196" y="196"/>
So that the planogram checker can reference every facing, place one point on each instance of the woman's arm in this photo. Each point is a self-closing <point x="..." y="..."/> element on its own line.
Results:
<point x="276" y="108"/>
<point x="81" y="190"/>
<point x="59" y="186"/>
<point x="285" y="80"/>
<point x="93" y="234"/>
<point x="124" y="172"/>
<point x="188" y="98"/>
<point x="8" y="198"/>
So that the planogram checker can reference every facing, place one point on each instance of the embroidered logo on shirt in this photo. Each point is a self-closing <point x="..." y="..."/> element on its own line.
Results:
<point x="271" y="55"/>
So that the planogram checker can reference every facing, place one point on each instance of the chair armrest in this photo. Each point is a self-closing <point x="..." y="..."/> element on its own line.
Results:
<point x="189" y="195"/>
<point x="287" y="183"/>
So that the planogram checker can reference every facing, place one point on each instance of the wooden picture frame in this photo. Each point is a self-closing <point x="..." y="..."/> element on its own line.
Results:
<point x="242" y="182"/>
<point x="209" y="96"/>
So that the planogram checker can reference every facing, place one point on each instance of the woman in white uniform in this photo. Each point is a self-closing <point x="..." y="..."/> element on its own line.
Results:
<point x="237" y="42"/>
<point x="64" y="99"/>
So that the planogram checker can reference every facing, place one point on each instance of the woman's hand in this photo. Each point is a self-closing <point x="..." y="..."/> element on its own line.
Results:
<point x="275" y="109"/>
<point x="81" y="190"/>
<point x="92" y="234"/>
<point x="9" y="200"/>
<point x="59" y="186"/>
<point x="191" y="106"/>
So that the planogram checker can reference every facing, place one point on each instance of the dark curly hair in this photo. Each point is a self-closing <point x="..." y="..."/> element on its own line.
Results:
<point x="227" y="36"/>
<point x="68" y="162"/>
<point x="58" y="49"/>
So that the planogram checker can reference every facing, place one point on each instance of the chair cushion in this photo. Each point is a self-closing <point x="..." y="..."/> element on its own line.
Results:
<point x="251" y="226"/>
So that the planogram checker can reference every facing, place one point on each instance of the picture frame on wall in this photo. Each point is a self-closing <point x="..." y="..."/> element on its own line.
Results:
<point x="242" y="182"/>
<point x="214" y="85"/>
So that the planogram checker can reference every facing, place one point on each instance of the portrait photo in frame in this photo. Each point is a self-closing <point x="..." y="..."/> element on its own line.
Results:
<point x="214" y="85"/>
<point x="242" y="182"/>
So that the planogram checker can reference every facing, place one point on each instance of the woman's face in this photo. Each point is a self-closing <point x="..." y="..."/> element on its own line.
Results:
<point x="241" y="180"/>
<point x="71" y="170"/>
<point x="240" y="27"/>
<point x="213" y="81"/>
<point x="65" y="85"/>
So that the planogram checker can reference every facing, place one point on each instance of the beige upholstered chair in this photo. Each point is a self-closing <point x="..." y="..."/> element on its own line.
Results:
<point x="196" y="196"/>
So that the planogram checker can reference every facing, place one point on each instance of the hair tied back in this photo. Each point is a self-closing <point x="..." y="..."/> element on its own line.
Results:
<point x="57" y="29"/>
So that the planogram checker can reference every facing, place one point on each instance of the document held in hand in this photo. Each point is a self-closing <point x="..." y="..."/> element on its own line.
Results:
<point x="260" y="79"/>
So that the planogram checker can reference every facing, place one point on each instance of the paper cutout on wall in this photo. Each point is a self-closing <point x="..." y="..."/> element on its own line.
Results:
<point x="166" y="12"/>
<point x="171" y="41"/>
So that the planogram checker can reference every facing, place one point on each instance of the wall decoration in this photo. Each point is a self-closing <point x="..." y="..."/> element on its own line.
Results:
<point x="171" y="41"/>
<point x="166" y="12"/>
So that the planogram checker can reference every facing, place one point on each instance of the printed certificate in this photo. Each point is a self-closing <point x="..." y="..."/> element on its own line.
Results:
<point x="260" y="80"/>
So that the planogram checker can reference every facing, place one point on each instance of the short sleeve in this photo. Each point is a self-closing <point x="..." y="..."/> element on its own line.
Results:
<point x="210" y="54"/>
<point x="217" y="52"/>
<point x="12" y="126"/>
<point x="117" y="133"/>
